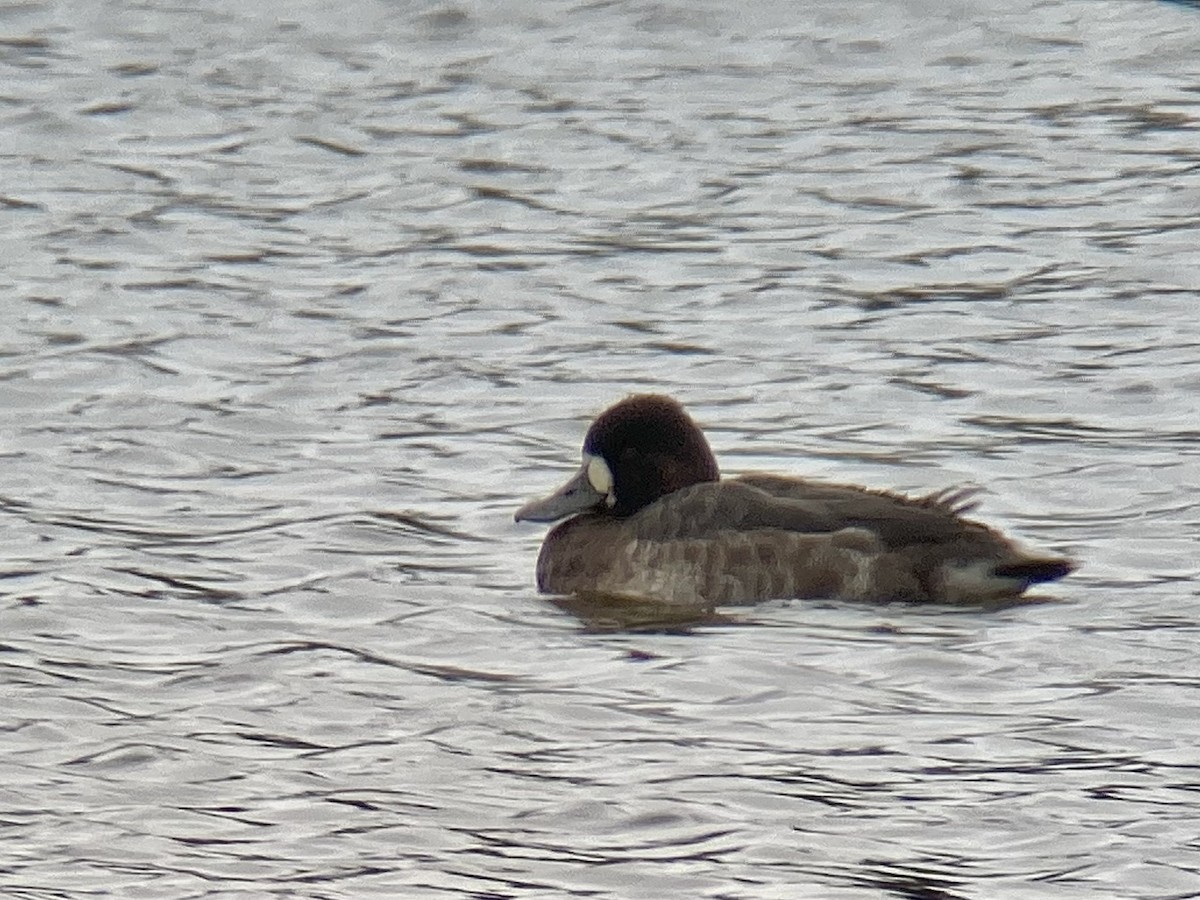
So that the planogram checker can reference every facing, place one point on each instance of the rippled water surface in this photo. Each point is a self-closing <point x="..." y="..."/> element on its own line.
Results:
<point x="303" y="299"/>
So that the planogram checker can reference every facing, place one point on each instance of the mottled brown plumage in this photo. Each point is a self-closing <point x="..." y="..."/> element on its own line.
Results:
<point x="649" y="518"/>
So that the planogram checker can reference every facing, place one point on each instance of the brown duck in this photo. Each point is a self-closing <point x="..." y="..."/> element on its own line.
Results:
<point x="651" y="518"/>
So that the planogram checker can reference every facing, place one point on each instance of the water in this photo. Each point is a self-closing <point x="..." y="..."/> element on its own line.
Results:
<point x="303" y="300"/>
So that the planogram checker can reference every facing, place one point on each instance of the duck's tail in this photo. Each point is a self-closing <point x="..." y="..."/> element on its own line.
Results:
<point x="983" y="578"/>
<point x="1035" y="571"/>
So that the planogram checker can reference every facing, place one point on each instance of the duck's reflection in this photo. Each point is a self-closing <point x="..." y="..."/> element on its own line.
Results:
<point x="604" y="613"/>
<point x="608" y="612"/>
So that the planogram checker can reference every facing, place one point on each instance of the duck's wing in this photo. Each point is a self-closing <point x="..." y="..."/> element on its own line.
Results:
<point x="930" y="524"/>
<point x="952" y="500"/>
<point x="958" y="500"/>
<point x="755" y="502"/>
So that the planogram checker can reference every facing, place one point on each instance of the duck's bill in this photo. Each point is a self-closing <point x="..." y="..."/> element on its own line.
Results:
<point x="576" y="496"/>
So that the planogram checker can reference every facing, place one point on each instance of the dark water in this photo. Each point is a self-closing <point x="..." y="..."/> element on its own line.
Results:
<point x="302" y="300"/>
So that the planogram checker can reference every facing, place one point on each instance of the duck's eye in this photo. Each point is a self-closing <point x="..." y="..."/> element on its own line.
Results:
<point x="599" y="476"/>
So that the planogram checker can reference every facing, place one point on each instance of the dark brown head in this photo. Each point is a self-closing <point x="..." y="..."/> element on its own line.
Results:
<point x="643" y="448"/>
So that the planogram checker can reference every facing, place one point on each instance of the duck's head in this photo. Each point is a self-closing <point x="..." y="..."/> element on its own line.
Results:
<point x="643" y="448"/>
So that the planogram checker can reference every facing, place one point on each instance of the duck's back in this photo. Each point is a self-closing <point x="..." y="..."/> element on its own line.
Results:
<point x="763" y="536"/>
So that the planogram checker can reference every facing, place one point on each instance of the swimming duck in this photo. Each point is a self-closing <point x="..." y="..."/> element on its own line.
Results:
<point x="650" y="517"/>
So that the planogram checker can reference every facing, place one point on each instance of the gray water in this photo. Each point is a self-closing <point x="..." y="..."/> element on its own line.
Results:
<point x="301" y="300"/>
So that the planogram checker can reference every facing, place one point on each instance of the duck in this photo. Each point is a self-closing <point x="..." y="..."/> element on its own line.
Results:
<point x="647" y="515"/>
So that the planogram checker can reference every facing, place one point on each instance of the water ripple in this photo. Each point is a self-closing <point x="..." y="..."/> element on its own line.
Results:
<point x="303" y="305"/>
